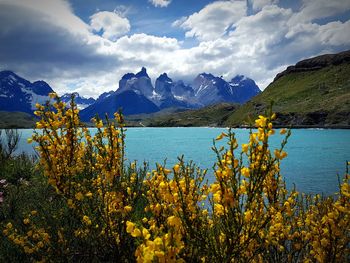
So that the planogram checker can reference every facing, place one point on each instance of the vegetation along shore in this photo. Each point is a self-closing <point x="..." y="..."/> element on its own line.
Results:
<point x="80" y="201"/>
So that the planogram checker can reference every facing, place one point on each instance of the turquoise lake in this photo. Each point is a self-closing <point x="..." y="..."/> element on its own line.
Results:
<point x="315" y="156"/>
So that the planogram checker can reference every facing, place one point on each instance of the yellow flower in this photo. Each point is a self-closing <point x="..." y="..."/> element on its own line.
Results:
<point x="136" y="233"/>
<point x="245" y="171"/>
<point x="52" y="95"/>
<point x="79" y="196"/>
<point x="26" y="221"/>
<point x="283" y="131"/>
<point x="166" y="171"/>
<point x="245" y="148"/>
<point x="99" y="124"/>
<point x="88" y="194"/>
<point x="34" y="212"/>
<point x="176" y="168"/>
<point x="129" y="226"/>
<point x="247" y="215"/>
<point x="174" y="221"/>
<point x="218" y="209"/>
<point x="222" y="135"/>
<point x="86" y="220"/>
<point x="145" y="233"/>
<point x="127" y="208"/>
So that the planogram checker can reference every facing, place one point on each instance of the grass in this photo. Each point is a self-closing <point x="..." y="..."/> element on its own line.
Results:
<point x="303" y="93"/>
<point x="16" y="120"/>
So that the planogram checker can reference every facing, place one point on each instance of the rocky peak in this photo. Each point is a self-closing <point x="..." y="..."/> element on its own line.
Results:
<point x="316" y="63"/>
<point x="142" y="73"/>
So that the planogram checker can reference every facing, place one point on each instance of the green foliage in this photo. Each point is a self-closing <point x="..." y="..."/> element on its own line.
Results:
<point x="80" y="201"/>
<point x="320" y="97"/>
<point x="15" y="120"/>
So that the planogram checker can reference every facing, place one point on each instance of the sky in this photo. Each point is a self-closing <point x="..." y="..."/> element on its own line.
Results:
<point x="86" y="46"/>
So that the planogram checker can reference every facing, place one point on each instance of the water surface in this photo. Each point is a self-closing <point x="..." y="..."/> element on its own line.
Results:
<point x="315" y="156"/>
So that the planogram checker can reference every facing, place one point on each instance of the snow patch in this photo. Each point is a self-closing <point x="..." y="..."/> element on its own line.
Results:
<point x="201" y="88"/>
<point x="181" y="98"/>
<point x="35" y="98"/>
<point x="82" y="106"/>
<point x="155" y="95"/>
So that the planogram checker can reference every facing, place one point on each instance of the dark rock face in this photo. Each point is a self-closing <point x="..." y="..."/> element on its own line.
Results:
<point x="18" y="94"/>
<point x="128" y="101"/>
<point x="317" y="63"/>
<point x="209" y="89"/>
<point x="165" y="97"/>
<point x="244" y="88"/>
<point x="81" y="102"/>
<point x="139" y="82"/>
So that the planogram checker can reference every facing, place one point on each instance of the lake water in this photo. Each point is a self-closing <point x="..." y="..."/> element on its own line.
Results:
<point x="315" y="156"/>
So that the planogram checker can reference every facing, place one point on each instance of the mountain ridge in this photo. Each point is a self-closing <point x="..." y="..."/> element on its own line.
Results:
<point x="313" y="93"/>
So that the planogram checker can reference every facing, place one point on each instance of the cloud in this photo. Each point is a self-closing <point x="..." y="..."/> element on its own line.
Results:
<point x="43" y="44"/>
<point x="111" y="24"/>
<point x="214" y="20"/>
<point x="160" y="3"/>
<point x="311" y="9"/>
<point x="259" y="4"/>
<point x="46" y="40"/>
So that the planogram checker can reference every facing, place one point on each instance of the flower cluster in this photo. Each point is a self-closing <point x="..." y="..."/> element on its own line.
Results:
<point x="86" y="171"/>
<point x="101" y="209"/>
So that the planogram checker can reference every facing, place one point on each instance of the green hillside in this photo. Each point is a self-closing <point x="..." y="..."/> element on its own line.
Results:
<point x="215" y="115"/>
<point x="312" y="98"/>
<point x="16" y="120"/>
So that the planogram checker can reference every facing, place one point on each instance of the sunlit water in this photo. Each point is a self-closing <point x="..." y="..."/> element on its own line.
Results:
<point x="315" y="157"/>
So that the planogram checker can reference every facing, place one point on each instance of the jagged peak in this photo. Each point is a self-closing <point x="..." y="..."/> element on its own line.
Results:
<point x="142" y="73"/>
<point x="164" y="77"/>
<point x="206" y="75"/>
<point x="239" y="78"/>
<point x="128" y="76"/>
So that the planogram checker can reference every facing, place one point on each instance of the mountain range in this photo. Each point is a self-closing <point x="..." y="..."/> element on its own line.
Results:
<point x="18" y="94"/>
<point x="135" y="95"/>
<point x="314" y="92"/>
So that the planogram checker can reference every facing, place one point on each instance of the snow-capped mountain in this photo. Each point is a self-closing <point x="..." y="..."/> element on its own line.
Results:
<point x="81" y="101"/>
<point x="244" y="88"/>
<point x="139" y="83"/>
<point x="18" y="94"/>
<point x="105" y="95"/>
<point x="173" y="94"/>
<point x="209" y="89"/>
<point x="135" y="95"/>
<point x="129" y="101"/>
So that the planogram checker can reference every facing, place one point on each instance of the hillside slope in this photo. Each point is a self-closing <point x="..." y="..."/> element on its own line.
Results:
<point x="314" y="92"/>
<point x="214" y="115"/>
<point x="16" y="120"/>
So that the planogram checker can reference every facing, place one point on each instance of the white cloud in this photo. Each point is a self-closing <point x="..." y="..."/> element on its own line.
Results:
<point x="259" y="4"/>
<point x="179" y="22"/>
<point x="214" y="20"/>
<point x="56" y="12"/>
<point x="312" y="9"/>
<point x="48" y="41"/>
<point x="112" y="24"/>
<point x="160" y="3"/>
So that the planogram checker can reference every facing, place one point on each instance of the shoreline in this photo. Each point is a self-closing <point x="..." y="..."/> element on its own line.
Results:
<point x="334" y="127"/>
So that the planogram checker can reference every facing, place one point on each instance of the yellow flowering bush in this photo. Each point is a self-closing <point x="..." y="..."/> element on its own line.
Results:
<point x="100" y="209"/>
<point x="95" y="196"/>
